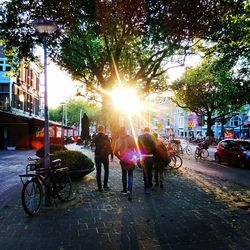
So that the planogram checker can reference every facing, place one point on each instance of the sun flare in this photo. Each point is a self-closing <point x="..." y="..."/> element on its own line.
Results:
<point x="126" y="100"/>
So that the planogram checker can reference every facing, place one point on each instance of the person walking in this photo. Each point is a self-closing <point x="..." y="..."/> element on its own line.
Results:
<point x="161" y="159"/>
<point x="125" y="151"/>
<point x="102" y="151"/>
<point x="147" y="147"/>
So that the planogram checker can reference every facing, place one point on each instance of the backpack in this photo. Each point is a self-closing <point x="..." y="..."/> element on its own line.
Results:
<point x="127" y="156"/>
<point x="146" y="143"/>
<point x="103" y="146"/>
<point x="161" y="153"/>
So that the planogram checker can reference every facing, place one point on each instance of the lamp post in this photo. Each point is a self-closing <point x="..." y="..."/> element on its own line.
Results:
<point x="148" y="104"/>
<point x="63" y="121"/>
<point x="45" y="27"/>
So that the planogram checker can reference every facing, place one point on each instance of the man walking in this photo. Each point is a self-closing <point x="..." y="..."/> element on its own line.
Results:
<point x="125" y="150"/>
<point x="147" y="148"/>
<point x="102" y="151"/>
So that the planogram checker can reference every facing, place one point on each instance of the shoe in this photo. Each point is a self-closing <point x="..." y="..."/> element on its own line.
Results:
<point x="147" y="191"/>
<point x="129" y="195"/>
<point x="106" y="188"/>
<point x="124" y="192"/>
<point x="99" y="190"/>
<point x="161" y="184"/>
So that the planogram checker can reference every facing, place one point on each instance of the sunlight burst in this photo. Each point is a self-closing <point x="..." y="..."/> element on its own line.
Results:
<point x="126" y="100"/>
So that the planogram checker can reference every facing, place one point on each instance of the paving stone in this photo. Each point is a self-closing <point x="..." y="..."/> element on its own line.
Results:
<point x="182" y="215"/>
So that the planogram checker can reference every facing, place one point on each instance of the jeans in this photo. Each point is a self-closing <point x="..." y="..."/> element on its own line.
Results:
<point x="147" y="165"/>
<point x="98" y="162"/>
<point x="158" y="170"/>
<point x="127" y="177"/>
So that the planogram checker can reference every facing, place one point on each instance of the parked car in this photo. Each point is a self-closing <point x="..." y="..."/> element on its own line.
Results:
<point x="233" y="151"/>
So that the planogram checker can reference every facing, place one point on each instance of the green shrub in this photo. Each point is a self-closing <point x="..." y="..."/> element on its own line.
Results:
<point x="78" y="163"/>
<point x="53" y="148"/>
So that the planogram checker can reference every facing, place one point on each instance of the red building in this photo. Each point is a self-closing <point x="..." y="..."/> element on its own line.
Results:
<point x="28" y="132"/>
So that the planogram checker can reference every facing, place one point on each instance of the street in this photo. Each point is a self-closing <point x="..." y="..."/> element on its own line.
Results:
<point x="13" y="163"/>
<point x="200" y="206"/>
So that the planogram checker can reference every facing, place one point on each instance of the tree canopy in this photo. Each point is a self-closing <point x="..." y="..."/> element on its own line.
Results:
<point x="97" y="40"/>
<point x="73" y="107"/>
<point x="210" y="90"/>
<point x="104" y="42"/>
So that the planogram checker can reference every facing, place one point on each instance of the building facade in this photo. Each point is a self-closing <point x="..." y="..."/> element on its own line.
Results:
<point x="22" y="106"/>
<point x="5" y="86"/>
<point x="20" y="94"/>
<point x="171" y="119"/>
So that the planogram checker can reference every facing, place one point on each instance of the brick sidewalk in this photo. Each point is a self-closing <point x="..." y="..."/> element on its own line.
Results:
<point x="181" y="216"/>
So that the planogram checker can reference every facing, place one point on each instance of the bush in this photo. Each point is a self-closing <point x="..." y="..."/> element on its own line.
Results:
<point x="53" y="148"/>
<point x="78" y="163"/>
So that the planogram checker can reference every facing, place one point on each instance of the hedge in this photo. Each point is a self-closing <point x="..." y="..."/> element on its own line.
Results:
<point x="78" y="163"/>
<point x="53" y="148"/>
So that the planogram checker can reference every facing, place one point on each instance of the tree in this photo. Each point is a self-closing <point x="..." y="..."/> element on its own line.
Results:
<point x="230" y="40"/>
<point x="210" y="90"/>
<point x="73" y="107"/>
<point x="103" y="42"/>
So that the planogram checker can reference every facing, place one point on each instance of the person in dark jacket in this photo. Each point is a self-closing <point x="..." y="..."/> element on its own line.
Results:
<point x="102" y="151"/>
<point x="147" y="147"/>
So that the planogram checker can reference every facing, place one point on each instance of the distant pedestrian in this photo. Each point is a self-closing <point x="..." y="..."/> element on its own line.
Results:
<point x="125" y="151"/>
<point x="102" y="151"/>
<point x="147" y="147"/>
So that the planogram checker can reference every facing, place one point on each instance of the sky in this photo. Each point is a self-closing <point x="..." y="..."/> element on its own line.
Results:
<point x="60" y="85"/>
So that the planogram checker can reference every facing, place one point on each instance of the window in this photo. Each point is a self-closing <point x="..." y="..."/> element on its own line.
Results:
<point x="8" y="68"/>
<point x="1" y="68"/>
<point x="4" y="101"/>
<point x="236" y="121"/>
<point x="224" y="144"/>
<point x="4" y="88"/>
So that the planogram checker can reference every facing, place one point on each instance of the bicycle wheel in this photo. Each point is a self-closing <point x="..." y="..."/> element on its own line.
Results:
<point x="31" y="197"/>
<point x="197" y="154"/>
<point x="62" y="186"/>
<point x="188" y="150"/>
<point x="174" y="147"/>
<point x="181" y="151"/>
<point x="173" y="161"/>
<point x="178" y="162"/>
<point x="204" y="153"/>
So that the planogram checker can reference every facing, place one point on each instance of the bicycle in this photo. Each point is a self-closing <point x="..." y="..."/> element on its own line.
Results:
<point x="176" y="160"/>
<point x="55" y="178"/>
<point x="201" y="152"/>
<point x="187" y="149"/>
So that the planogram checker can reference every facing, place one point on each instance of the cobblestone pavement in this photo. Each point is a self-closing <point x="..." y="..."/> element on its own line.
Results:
<point x="185" y="214"/>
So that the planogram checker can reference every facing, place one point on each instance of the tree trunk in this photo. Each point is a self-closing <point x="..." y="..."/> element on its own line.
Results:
<point x="110" y="117"/>
<point x="210" y="123"/>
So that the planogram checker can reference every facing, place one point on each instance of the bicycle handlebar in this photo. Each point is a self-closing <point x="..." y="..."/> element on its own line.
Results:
<point x="33" y="159"/>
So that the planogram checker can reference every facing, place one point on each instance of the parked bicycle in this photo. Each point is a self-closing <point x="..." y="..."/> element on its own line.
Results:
<point x="176" y="160"/>
<point x="201" y="152"/>
<point x="55" y="178"/>
<point x="187" y="149"/>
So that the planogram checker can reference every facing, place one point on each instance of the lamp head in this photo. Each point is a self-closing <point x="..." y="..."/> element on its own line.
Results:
<point x="43" y="25"/>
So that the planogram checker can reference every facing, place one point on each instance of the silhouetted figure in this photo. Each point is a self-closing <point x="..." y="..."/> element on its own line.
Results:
<point x="102" y="151"/>
<point x="85" y="128"/>
<point x="147" y="147"/>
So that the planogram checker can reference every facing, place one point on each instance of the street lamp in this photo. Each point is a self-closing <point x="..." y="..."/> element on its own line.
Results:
<point x="63" y="121"/>
<point x="45" y="27"/>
